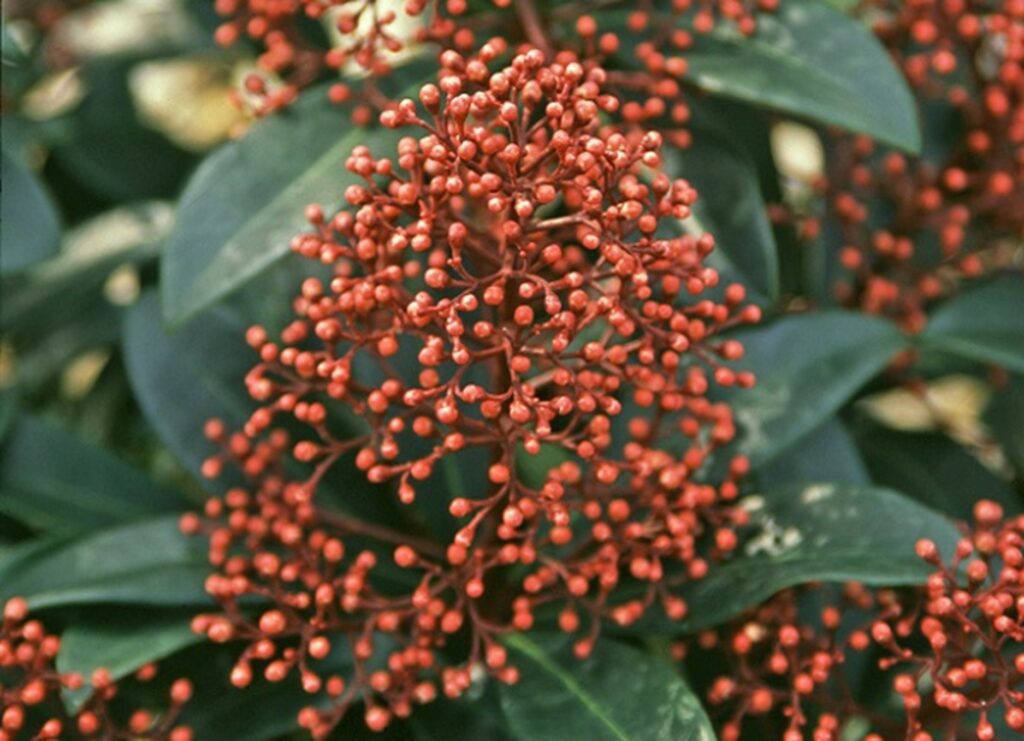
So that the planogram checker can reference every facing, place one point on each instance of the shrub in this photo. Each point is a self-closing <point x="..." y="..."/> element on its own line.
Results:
<point x="512" y="368"/>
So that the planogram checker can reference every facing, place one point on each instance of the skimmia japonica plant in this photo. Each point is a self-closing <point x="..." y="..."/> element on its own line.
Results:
<point x="512" y="368"/>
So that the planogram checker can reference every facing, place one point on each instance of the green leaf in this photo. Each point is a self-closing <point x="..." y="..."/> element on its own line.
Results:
<point x="242" y="207"/>
<point x="112" y="151"/>
<point x="985" y="324"/>
<point x="818" y="532"/>
<point x="258" y="713"/>
<point x="827" y="454"/>
<point x="618" y="693"/>
<point x="184" y="378"/>
<point x="9" y="405"/>
<point x="730" y="207"/>
<point x="180" y="380"/>
<point x="31" y="226"/>
<point x="932" y="469"/>
<point x="121" y="644"/>
<point x="56" y="290"/>
<point x="470" y="717"/>
<point x="807" y="367"/>
<point x="266" y="710"/>
<point x="53" y="481"/>
<point x="1003" y="416"/>
<point x="148" y="563"/>
<point x="811" y="61"/>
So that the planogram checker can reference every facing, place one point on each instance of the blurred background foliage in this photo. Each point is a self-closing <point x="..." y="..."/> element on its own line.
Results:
<point x="103" y="120"/>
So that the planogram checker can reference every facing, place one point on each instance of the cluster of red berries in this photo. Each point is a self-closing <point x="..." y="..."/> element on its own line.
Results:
<point x="656" y="41"/>
<point x="367" y="40"/>
<point x="974" y="628"/>
<point x="953" y="651"/>
<point x="366" y="33"/>
<point x="30" y="691"/>
<point x="330" y="599"/>
<point x="966" y="55"/>
<point x="785" y="663"/>
<point x="514" y="282"/>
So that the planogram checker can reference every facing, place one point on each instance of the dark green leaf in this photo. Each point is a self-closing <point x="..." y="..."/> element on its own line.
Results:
<point x="985" y="324"/>
<point x="932" y="469"/>
<point x="266" y="710"/>
<point x="185" y="378"/>
<point x="809" y="60"/>
<point x="818" y="532"/>
<point x="807" y="367"/>
<point x="120" y="644"/>
<point x="242" y="207"/>
<point x="1004" y="415"/>
<point x="31" y="226"/>
<point x="467" y="717"/>
<point x="826" y="454"/>
<point x="8" y="412"/>
<point x="112" y="152"/>
<point x="258" y="713"/>
<point x="148" y="562"/>
<point x="618" y="693"/>
<point x="730" y="207"/>
<point x="55" y="482"/>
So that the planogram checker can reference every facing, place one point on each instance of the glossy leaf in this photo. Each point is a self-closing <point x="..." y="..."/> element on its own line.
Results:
<point x="811" y="61"/>
<point x="57" y="483"/>
<point x="1004" y="416"/>
<point x="985" y="324"/>
<point x="619" y="693"/>
<point x="31" y="225"/>
<point x="121" y="644"/>
<point x="730" y="206"/>
<point x="807" y="367"/>
<point x="246" y="201"/>
<point x="263" y="711"/>
<point x="183" y="379"/>
<point x="818" y="532"/>
<point x="467" y="717"/>
<point x="934" y="470"/>
<point x="827" y="453"/>
<point x="258" y="713"/>
<point x="147" y="563"/>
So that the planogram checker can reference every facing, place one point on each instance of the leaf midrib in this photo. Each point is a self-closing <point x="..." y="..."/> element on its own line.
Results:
<point x="233" y="248"/>
<point x="531" y="649"/>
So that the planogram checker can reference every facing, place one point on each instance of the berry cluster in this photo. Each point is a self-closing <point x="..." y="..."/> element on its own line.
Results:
<point x="783" y="662"/>
<point x="974" y="629"/>
<point x="368" y="40"/>
<point x="652" y="49"/>
<point x="953" y="651"/>
<point x="366" y="33"/>
<point x="512" y="285"/>
<point x="912" y="227"/>
<point x="30" y="691"/>
<point x="270" y="539"/>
